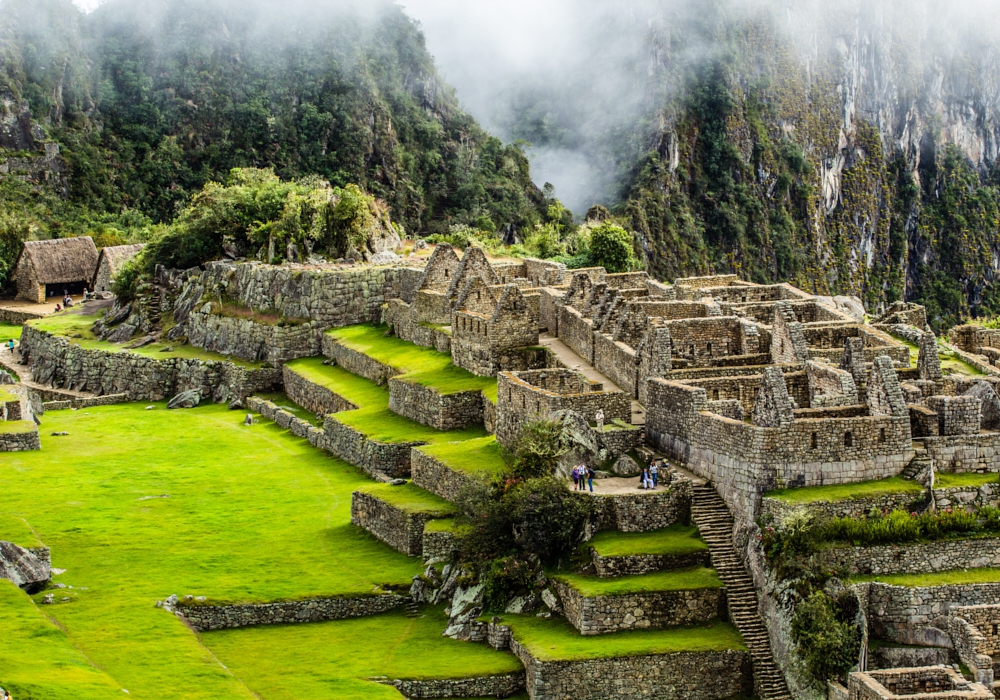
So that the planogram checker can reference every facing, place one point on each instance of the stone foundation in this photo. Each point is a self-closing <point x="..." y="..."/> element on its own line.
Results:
<point x="917" y="558"/>
<point x="218" y="617"/>
<point x="313" y="397"/>
<point x="432" y="475"/>
<point x="635" y="564"/>
<point x="849" y="508"/>
<point x="501" y="686"/>
<point x="356" y="362"/>
<point x="439" y="411"/>
<point x="392" y="460"/>
<point x="401" y="530"/>
<point x="614" y="613"/>
<point x="642" y="512"/>
<point x="20" y="442"/>
<point x="250" y="340"/>
<point x="439" y="546"/>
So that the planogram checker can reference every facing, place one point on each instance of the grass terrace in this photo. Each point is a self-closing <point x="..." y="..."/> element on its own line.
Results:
<point x="555" y="639"/>
<point x="948" y="480"/>
<point x="283" y="402"/>
<point x="939" y="578"/>
<point x="138" y="505"/>
<point x="676" y="540"/>
<point x="373" y="417"/>
<point x="17" y="530"/>
<point x="846" y="492"/>
<point x="481" y="455"/>
<point x="17" y="427"/>
<point x="6" y="395"/>
<point x="342" y="655"/>
<point x="414" y="364"/>
<point x="76" y="327"/>
<point x="37" y="660"/>
<point x="445" y="525"/>
<point x="9" y="331"/>
<point x="673" y="580"/>
<point x="411" y="499"/>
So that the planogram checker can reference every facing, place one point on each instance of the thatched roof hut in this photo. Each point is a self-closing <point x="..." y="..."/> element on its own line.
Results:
<point x="111" y="261"/>
<point x="53" y="266"/>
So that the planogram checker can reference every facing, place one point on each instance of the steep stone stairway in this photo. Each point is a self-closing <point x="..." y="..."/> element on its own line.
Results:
<point x="715" y="524"/>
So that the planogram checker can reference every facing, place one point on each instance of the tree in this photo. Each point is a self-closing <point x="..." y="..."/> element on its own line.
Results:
<point x="611" y="248"/>
<point x="829" y="645"/>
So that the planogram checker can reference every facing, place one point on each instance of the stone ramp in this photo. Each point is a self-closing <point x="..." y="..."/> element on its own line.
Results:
<point x="715" y="524"/>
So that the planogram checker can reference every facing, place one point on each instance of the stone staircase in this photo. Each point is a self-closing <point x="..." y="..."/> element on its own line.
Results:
<point x="921" y="462"/>
<point x="715" y="524"/>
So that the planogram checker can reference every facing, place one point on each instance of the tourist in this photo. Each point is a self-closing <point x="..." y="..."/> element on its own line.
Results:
<point x="582" y="470"/>
<point x="590" y="478"/>
<point x="644" y="478"/>
<point x="600" y="420"/>
<point x="576" y="478"/>
<point x="10" y="345"/>
<point x="58" y="308"/>
<point x="654" y="472"/>
<point x="86" y="294"/>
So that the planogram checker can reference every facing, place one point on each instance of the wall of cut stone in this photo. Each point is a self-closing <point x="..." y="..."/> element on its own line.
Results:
<point x="401" y="317"/>
<point x="957" y="415"/>
<point x="249" y="340"/>
<point x="435" y="476"/>
<point x="356" y="362"/>
<point x="616" y="361"/>
<point x="499" y="686"/>
<point x="439" y="546"/>
<point x="985" y="496"/>
<point x="57" y="362"/>
<point x="549" y="302"/>
<point x="701" y="340"/>
<point x="914" y="558"/>
<point x="218" y="617"/>
<point x="647" y="511"/>
<point x="16" y="317"/>
<point x="848" y="508"/>
<point x="356" y="448"/>
<point x="615" y="613"/>
<point x="399" y="529"/>
<point x="679" y="676"/>
<point x="984" y="617"/>
<point x="311" y="396"/>
<point x="577" y="333"/>
<point x="965" y="453"/>
<point x="20" y="442"/>
<point x="439" y="411"/>
<point x="635" y="564"/>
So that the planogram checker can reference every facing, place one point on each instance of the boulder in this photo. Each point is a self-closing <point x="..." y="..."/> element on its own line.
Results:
<point x="23" y="567"/>
<point x="384" y="258"/>
<point x="466" y="606"/>
<point x="5" y="377"/>
<point x="185" y="399"/>
<point x="626" y="466"/>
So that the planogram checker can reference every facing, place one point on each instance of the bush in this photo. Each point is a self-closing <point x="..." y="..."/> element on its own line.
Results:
<point x="125" y="284"/>
<point x="503" y="578"/>
<point x="829" y="644"/>
<point x="538" y="449"/>
<point x="611" y="248"/>
<point x="899" y="527"/>
<point x="547" y="519"/>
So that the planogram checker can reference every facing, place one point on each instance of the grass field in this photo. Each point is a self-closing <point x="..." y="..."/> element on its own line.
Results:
<point x="38" y="661"/>
<point x="419" y="365"/>
<point x="947" y="480"/>
<point x="17" y="427"/>
<point x="411" y="499"/>
<point x="556" y="640"/>
<point x="675" y="540"/>
<point x="673" y="580"/>
<point x="9" y="331"/>
<point x="76" y="328"/>
<point x="940" y="578"/>
<point x="481" y="455"/>
<point x="373" y="417"/>
<point x="138" y="505"/>
<point x="844" y="492"/>
<point x="342" y="654"/>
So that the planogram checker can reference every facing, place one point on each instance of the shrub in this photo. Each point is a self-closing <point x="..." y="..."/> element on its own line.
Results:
<point x="828" y="643"/>
<point x="126" y="283"/>
<point x="611" y="248"/>
<point x="900" y="527"/>
<point x="503" y="578"/>
<point x="547" y="519"/>
<point x="489" y="535"/>
<point x="538" y="449"/>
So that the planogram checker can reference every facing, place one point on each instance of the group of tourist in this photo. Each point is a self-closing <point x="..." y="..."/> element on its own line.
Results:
<point x="650" y="477"/>
<point x="583" y="476"/>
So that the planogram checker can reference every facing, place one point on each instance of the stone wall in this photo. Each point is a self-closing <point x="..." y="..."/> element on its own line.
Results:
<point x="354" y="447"/>
<point x="311" y="396"/>
<point x="644" y="512"/>
<point x="965" y="453"/>
<point x="399" y="529"/>
<point x="402" y="318"/>
<point x="356" y="362"/>
<point x="617" y="361"/>
<point x="58" y="362"/>
<point x="917" y="558"/>
<point x="678" y="676"/>
<point x="957" y="415"/>
<point x="576" y="332"/>
<point x="17" y="317"/>
<point x="205" y="617"/>
<point x="252" y="340"/>
<point x="433" y="475"/>
<point x="847" y="508"/>
<point x="987" y="495"/>
<point x="85" y="402"/>
<point x="548" y="309"/>
<point x="439" y="546"/>
<point x="20" y="442"/>
<point x="439" y="411"/>
<point x="635" y="564"/>
<point x="615" y="613"/>
<point x="500" y="686"/>
<point x="984" y="617"/>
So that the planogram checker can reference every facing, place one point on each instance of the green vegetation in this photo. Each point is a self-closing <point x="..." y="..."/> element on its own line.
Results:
<point x="939" y="578"/>
<point x="38" y="661"/>
<point x="676" y="540"/>
<point x="410" y="498"/>
<point x="948" y="480"/>
<point x="137" y="505"/>
<point x="899" y="527"/>
<point x="9" y="332"/>
<point x="17" y="427"/>
<point x="16" y="530"/>
<point x="283" y="402"/>
<point x="373" y="417"/>
<point x="445" y="525"/>
<point x="539" y="447"/>
<point x="344" y="654"/>
<point x="481" y="455"/>
<point x="611" y="248"/>
<point x="413" y="363"/>
<point x="844" y="492"/>
<point x="827" y="638"/>
<point x="671" y="580"/>
<point x="78" y="329"/>
<point x="556" y="640"/>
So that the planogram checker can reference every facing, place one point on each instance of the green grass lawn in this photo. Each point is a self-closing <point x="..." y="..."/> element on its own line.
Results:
<point x="373" y="417"/>
<point x="17" y="530"/>
<point x="252" y="514"/>
<point x="844" y="492"/>
<point x="472" y="457"/>
<point x="445" y="525"/>
<point x="939" y="578"/>
<point x="410" y="498"/>
<point x="416" y="364"/>
<point x="675" y="540"/>
<point x="556" y="640"/>
<point x="673" y="580"/>
<point x="947" y="480"/>
<point x="334" y="659"/>
<point x="17" y="427"/>
<point x="6" y="395"/>
<point x="282" y="401"/>
<point x="38" y="661"/>
<point x="76" y="328"/>
<point x="9" y="331"/>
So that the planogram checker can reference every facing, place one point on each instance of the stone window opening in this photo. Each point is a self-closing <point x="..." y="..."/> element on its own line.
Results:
<point x="813" y="443"/>
<point x="708" y="349"/>
<point x="848" y="439"/>
<point x="692" y="350"/>
<point x="996" y="629"/>
<point x="510" y="394"/>
<point x="446" y="274"/>
<point x="881" y="434"/>
<point x="715" y="394"/>
<point x="478" y="295"/>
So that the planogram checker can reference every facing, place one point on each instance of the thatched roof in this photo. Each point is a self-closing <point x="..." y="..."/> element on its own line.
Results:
<point x="61" y="260"/>
<point x="117" y="255"/>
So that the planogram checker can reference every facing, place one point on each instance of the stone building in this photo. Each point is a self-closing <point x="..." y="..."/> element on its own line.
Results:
<point x="110" y="261"/>
<point x="54" y="267"/>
